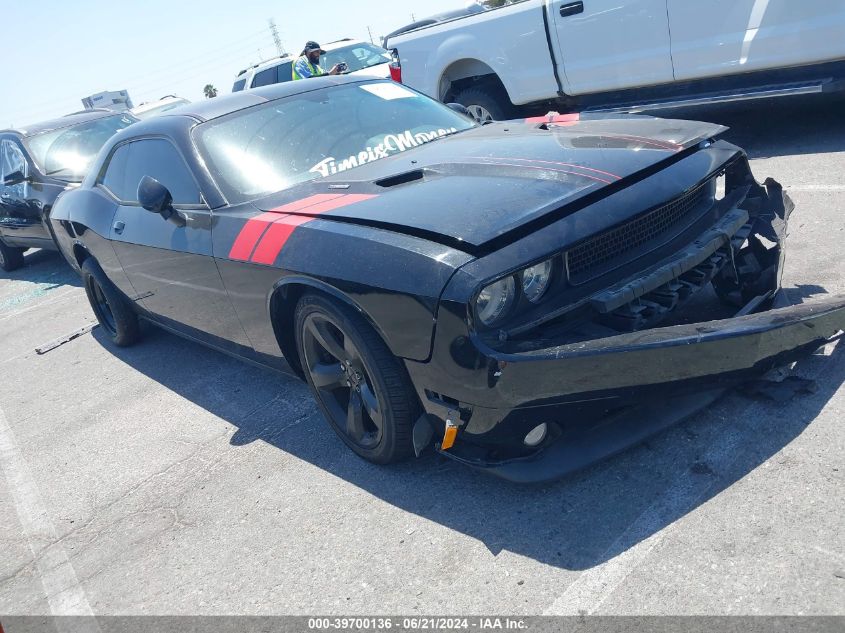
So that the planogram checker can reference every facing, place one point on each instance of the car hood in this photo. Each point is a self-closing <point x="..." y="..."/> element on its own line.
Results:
<point x="379" y="70"/>
<point x="477" y="185"/>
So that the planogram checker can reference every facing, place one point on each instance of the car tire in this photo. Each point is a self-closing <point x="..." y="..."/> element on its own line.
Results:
<point x="485" y="104"/>
<point x="113" y="310"/>
<point x="361" y="387"/>
<point x="11" y="258"/>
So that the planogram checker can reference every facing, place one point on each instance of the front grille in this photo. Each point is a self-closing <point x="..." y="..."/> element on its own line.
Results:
<point x="588" y="259"/>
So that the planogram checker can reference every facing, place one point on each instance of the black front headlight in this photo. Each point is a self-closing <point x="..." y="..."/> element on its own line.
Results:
<point x="536" y="280"/>
<point x="497" y="302"/>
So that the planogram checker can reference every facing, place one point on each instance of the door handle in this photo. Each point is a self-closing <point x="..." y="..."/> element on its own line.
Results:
<point x="571" y="8"/>
<point x="118" y="227"/>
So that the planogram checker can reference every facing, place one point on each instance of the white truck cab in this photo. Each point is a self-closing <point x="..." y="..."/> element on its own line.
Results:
<point x="623" y="53"/>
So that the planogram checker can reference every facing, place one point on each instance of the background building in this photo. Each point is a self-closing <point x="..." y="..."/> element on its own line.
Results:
<point x="116" y="100"/>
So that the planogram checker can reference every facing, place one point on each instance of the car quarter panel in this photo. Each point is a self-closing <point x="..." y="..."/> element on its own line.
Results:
<point x="82" y="219"/>
<point x="394" y="279"/>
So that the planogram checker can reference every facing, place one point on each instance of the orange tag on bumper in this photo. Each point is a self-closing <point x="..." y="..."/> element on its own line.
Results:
<point x="449" y="436"/>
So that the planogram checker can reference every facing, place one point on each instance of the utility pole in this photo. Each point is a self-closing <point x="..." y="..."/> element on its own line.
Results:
<point x="275" y="33"/>
<point x="413" y="19"/>
<point x="371" y="35"/>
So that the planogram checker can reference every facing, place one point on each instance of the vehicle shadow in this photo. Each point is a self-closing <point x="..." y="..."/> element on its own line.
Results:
<point x="776" y="127"/>
<point x="576" y="523"/>
<point x="44" y="267"/>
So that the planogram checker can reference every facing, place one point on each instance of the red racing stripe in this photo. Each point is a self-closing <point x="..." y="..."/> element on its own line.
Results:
<point x="255" y="227"/>
<point x="560" y="171"/>
<point x="277" y="235"/>
<point x="547" y="162"/>
<point x="250" y="234"/>
<point x="274" y="240"/>
<point x="299" y="205"/>
<point x="331" y="205"/>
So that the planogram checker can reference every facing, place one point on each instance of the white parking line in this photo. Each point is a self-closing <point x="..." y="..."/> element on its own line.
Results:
<point x="61" y="586"/>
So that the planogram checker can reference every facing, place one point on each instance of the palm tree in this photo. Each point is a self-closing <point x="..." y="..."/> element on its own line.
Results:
<point x="210" y="91"/>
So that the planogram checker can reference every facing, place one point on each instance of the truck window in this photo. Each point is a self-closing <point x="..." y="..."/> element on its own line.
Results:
<point x="265" y="77"/>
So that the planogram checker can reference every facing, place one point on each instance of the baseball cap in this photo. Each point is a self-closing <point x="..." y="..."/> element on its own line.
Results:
<point x="312" y="46"/>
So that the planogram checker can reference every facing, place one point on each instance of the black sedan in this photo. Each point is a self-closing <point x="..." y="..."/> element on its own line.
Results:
<point x="37" y="162"/>
<point x="521" y="295"/>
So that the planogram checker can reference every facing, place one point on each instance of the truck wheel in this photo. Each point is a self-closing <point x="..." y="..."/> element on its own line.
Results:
<point x="113" y="311"/>
<point x="485" y="104"/>
<point x="10" y="258"/>
<point x="360" y="386"/>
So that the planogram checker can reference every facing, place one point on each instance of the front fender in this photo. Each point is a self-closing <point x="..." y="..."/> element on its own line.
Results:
<point x="395" y="280"/>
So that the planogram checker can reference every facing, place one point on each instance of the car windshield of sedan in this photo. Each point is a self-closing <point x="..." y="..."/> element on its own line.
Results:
<point x="267" y="148"/>
<point x="357" y="57"/>
<point x="67" y="153"/>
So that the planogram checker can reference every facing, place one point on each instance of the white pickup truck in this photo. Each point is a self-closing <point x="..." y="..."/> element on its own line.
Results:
<point x="623" y="54"/>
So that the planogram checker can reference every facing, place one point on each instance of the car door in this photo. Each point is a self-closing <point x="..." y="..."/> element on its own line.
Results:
<point x="20" y="211"/>
<point x="610" y="44"/>
<point x="721" y="37"/>
<point x="170" y="266"/>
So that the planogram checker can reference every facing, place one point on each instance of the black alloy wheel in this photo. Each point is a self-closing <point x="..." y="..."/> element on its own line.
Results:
<point x="113" y="310"/>
<point x="102" y="309"/>
<point x="360" y="386"/>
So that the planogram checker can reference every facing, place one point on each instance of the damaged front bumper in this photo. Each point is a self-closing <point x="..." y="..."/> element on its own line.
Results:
<point x="598" y="396"/>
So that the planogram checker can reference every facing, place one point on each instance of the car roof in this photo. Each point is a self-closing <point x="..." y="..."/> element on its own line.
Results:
<point x="226" y="104"/>
<point x="269" y="63"/>
<point x="63" y="122"/>
<point x="152" y="105"/>
<point x="333" y="46"/>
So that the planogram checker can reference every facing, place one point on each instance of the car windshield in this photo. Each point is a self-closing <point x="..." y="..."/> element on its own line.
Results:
<point x="267" y="148"/>
<point x="356" y="56"/>
<point x="67" y="153"/>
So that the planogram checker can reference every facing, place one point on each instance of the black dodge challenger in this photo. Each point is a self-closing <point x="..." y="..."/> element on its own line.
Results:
<point x="522" y="295"/>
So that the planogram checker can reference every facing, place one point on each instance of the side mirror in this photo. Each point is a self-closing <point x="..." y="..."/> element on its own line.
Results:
<point x="460" y="109"/>
<point x="153" y="195"/>
<point x="156" y="198"/>
<point x="15" y="178"/>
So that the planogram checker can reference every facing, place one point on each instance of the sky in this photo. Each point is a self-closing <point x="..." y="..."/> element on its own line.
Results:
<point x="158" y="47"/>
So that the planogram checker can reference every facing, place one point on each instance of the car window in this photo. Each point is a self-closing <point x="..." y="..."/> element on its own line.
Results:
<point x="357" y="57"/>
<point x="156" y="158"/>
<point x="67" y="153"/>
<point x="265" y="77"/>
<point x="285" y="72"/>
<point x="239" y="85"/>
<point x="114" y="178"/>
<point x="11" y="160"/>
<point x="267" y="148"/>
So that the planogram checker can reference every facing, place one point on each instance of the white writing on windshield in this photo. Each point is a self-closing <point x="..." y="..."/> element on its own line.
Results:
<point x="391" y="143"/>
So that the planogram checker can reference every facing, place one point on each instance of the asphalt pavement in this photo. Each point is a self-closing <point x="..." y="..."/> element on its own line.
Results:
<point x="169" y="479"/>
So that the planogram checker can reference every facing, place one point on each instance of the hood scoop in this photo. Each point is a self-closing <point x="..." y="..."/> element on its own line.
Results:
<point x="401" y="179"/>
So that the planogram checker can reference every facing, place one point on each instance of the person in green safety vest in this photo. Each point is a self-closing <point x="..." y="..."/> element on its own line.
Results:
<point x="308" y="64"/>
